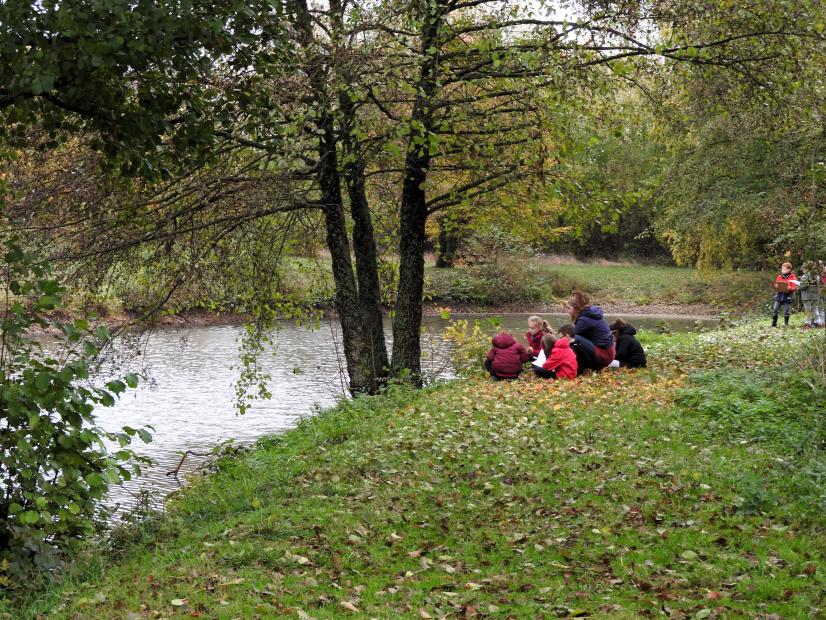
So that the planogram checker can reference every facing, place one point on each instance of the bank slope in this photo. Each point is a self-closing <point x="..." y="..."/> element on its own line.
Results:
<point x="623" y="494"/>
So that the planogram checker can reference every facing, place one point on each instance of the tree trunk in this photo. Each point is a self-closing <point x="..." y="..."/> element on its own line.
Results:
<point x="364" y="245"/>
<point x="448" y="245"/>
<point x="357" y="346"/>
<point x="407" y="348"/>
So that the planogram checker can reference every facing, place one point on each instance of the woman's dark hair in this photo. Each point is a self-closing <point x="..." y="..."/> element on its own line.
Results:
<point x="617" y="325"/>
<point x="578" y="301"/>
<point x="567" y="330"/>
<point x="548" y="343"/>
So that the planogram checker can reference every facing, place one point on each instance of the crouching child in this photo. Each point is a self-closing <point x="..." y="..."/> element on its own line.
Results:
<point x="506" y="357"/>
<point x="630" y="353"/>
<point x="560" y="362"/>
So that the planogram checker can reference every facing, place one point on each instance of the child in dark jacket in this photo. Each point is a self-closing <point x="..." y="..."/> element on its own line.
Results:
<point x="560" y="362"/>
<point x="630" y="353"/>
<point x="785" y="284"/>
<point x="506" y="357"/>
<point x="592" y="331"/>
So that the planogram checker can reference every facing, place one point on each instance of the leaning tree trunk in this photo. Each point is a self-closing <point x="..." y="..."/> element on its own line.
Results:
<point x="407" y="348"/>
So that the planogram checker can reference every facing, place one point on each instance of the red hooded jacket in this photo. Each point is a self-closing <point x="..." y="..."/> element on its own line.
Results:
<point x="507" y="356"/>
<point x="562" y="359"/>
<point x="788" y="277"/>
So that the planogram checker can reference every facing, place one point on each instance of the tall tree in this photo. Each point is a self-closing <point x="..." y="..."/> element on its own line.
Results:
<point x="443" y="102"/>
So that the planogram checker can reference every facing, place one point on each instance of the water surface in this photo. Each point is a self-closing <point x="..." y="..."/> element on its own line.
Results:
<point x="188" y="397"/>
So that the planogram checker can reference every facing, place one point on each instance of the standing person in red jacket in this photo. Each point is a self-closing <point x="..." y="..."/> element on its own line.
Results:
<point x="561" y="361"/>
<point x="785" y="284"/>
<point x="537" y="328"/>
<point x="506" y="357"/>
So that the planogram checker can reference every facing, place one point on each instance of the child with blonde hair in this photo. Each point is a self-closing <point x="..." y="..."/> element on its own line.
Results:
<point x="537" y="328"/>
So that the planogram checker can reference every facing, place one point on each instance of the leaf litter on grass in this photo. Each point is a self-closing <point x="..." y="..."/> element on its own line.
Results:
<point x="523" y="499"/>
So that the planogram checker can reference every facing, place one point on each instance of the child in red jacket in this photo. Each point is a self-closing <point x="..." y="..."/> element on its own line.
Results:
<point x="506" y="357"/>
<point x="785" y="284"/>
<point x="561" y="361"/>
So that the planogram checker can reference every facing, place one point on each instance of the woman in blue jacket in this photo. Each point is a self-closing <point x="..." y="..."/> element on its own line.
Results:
<point x="593" y="335"/>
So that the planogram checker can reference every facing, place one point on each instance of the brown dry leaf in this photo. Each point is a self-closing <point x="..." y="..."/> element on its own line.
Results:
<point x="423" y="614"/>
<point x="713" y="595"/>
<point x="349" y="606"/>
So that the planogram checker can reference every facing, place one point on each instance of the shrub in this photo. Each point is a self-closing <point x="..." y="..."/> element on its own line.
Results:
<point x="53" y="466"/>
<point x="470" y="344"/>
<point x="812" y="363"/>
<point x="739" y="291"/>
<point x="507" y="281"/>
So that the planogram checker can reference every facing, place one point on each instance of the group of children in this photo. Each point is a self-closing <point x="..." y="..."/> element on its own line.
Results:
<point x="588" y="342"/>
<point x="812" y="287"/>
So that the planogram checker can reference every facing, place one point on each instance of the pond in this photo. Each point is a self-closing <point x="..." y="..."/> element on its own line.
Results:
<point x="188" y="396"/>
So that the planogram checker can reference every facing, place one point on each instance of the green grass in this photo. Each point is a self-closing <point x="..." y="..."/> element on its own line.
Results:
<point x="531" y="281"/>
<point x="634" y="284"/>
<point x="694" y="488"/>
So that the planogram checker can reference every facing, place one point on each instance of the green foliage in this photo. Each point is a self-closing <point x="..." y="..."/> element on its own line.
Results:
<point x="506" y="281"/>
<point x="53" y="463"/>
<point x="122" y="70"/>
<point x="812" y="364"/>
<point x="739" y="291"/>
<point x="774" y="407"/>
<point x="470" y="344"/>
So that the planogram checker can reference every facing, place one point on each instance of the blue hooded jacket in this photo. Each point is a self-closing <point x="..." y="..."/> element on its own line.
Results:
<point x="590" y="324"/>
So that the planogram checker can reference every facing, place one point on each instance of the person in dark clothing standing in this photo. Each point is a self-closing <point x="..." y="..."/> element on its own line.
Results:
<point x="630" y="353"/>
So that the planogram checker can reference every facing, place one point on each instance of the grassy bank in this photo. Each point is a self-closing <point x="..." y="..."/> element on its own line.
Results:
<point x="693" y="489"/>
<point x="533" y="284"/>
<point x="520" y="281"/>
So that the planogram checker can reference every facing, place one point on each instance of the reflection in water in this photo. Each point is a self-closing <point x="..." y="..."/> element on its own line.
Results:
<point x="189" y="396"/>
